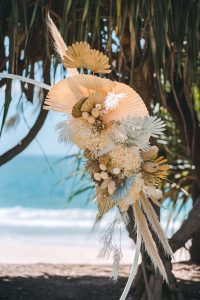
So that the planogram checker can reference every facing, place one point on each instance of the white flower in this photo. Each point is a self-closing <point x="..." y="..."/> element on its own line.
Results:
<point x="112" y="100"/>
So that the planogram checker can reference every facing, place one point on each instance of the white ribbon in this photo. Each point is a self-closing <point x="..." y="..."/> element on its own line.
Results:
<point x="134" y="266"/>
<point x="28" y="80"/>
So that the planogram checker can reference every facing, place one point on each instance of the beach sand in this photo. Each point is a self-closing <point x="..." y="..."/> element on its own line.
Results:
<point x="79" y="282"/>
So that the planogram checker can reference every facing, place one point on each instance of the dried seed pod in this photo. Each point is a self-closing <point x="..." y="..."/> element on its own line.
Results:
<point x="95" y="112"/>
<point x="98" y="106"/>
<point x="111" y="187"/>
<point x="116" y="171"/>
<point x="102" y="167"/>
<point x="149" y="167"/>
<point x="91" y="120"/>
<point x="104" y="175"/>
<point x="76" y="110"/>
<point x="91" y="101"/>
<point x="85" y="115"/>
<point x="105" y="183"/>
<point x="97" y="176"/>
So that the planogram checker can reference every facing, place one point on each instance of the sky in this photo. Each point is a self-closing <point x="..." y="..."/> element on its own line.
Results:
<point x="47" y="138"/>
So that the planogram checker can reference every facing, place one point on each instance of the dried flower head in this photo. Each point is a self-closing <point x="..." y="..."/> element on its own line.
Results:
<point x="126" y="159"/>
<point x="79" y="55"/>
<point x="112" y="100"/>
<point x="154" y="168"/>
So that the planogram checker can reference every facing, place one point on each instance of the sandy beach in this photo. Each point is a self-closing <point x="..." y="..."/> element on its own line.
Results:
<point x="79" y="282"/>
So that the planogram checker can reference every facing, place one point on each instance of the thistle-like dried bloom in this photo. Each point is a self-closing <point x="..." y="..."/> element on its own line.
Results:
<point x="80" y="55"/>
<point x="154" y="167"/>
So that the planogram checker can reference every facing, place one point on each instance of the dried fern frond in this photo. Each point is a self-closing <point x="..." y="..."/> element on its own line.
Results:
<point x="79" y="55"/>
<point x="149" y="243"/>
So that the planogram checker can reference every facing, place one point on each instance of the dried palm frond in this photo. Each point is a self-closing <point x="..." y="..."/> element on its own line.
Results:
<point x="80" y="55"/>
<point x="149" y="243"/>
<point x="129" y="105"/>
<point x="66" y="93"/>
<point x="139" y="130"/>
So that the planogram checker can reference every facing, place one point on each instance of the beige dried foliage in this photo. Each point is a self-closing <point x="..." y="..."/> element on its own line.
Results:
<point x="79" y="55"/>
<point x="155" y="224"/>
<point x="104" y="202"/>
<point x="149" y="243"/>
<point x="66" y="93"/>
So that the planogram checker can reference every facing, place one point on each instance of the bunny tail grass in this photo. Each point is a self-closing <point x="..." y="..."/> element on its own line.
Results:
<point x="149" y="243"/>
<point x="155" y="224"/>
<point x="59" y="44"/>
<point x="134" y="266"/>
<point x="25" y="79"/>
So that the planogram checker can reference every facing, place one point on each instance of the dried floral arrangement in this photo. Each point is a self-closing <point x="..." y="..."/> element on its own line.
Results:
<point x="109" y="121"/>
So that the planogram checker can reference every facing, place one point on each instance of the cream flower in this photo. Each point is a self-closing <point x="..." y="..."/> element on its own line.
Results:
<point x="112" y="100"/>
<point x="126" y="159"/>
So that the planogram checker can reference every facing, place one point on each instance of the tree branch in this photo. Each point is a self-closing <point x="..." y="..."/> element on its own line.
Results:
<point x="188" y="228"/>
<point x="8" y="155"/>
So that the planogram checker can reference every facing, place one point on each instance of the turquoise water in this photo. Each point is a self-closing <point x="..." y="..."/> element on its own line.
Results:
<point x="35" y="201"/>
<point x="31" y="182"/>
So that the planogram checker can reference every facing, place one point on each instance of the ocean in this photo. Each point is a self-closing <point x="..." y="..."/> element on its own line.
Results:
<point x="36" y="210"/>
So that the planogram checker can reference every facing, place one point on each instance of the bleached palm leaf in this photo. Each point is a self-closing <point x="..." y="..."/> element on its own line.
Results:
<point x="139" y="130"/>
<point x="149" y="243"/>
<point x="155" y="224"/>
